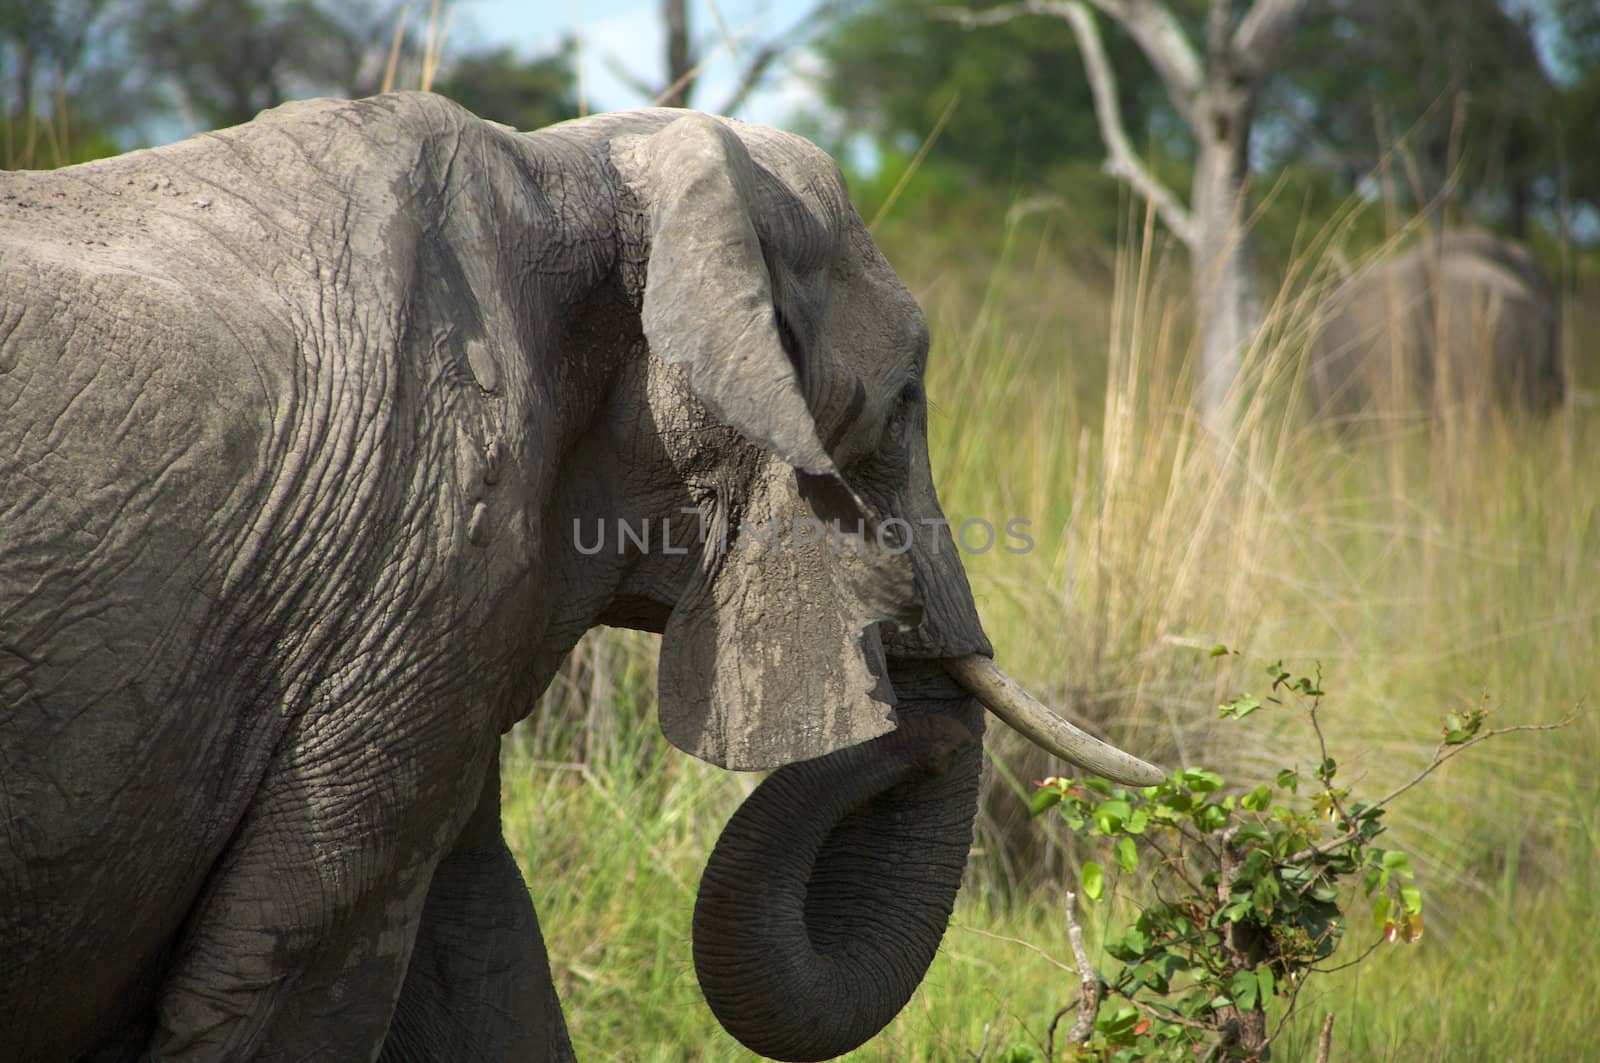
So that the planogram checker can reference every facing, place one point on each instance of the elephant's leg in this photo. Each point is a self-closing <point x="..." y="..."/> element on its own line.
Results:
<point x="479" y="984"/>
<point x="298" y="947"/>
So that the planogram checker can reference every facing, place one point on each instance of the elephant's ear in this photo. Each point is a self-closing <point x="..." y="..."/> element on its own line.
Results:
<point x="773" y="654"/>
<point x="708" y="297"/>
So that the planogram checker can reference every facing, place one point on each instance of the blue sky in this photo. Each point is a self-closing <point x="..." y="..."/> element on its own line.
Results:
<point x="627" y="33"/>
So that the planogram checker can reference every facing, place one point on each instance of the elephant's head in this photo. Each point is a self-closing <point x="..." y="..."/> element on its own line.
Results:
<point x="821" y="624"/>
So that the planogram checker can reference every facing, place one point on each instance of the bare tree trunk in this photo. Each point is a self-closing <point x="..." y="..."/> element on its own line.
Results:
<point x="1241" y="1030"/>
<point x="675" y="17"/>
<point x="1215" y="96"/>
<point x="1224" y="273"/>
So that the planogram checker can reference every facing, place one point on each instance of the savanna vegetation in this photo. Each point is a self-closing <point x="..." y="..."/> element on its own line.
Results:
<point x="1428" y="565"/>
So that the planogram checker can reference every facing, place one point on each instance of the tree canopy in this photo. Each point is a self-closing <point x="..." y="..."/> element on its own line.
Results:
<point x="891" y="67"/>
<point x="1495" y="97"/>
<point x="503" y="86"/>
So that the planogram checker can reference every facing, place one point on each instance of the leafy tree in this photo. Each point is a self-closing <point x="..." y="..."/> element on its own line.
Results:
<point x="64" y="80"/>
<point x="225" y="60"/>
<point x="1577" y="58"/>
<point x="1460" y="86"/>
<point x="523" y="93"/>
<point x="891" y="67"/>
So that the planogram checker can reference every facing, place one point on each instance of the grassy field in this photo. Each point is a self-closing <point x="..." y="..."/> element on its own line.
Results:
<point x="1424" y="565"/>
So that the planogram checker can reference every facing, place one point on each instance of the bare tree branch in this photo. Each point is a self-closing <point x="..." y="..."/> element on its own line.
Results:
<point x="635" y="83"/>
<point x="760" y="62"/>
<point x="1264" y="32"/>
<point x="1325" y="1040"/>
<point x="1121" y="161"/>
<point x="1089" y="998"/>
<point x="1162" y="40"/>
<point x="994" y="16"/>
<point x="1149" y="23"/>
<point x="1168" y="51"/>
<point x="1218" y="24"/>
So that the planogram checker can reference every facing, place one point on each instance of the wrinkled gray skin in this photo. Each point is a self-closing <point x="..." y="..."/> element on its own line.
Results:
<point x="1469" y="318"/>
<point x="296" y="419"/>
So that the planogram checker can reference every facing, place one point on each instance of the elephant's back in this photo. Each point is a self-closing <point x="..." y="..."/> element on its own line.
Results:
<point x="147" y="365"/>
<point x="128" y="446"/>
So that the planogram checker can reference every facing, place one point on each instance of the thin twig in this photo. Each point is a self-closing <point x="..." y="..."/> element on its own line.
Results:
<point x="1030" y="946"/>
<point x="1165" y="1016"/>
<point x="1368" y="951"/>
<point x="1446" y="753"/>
<point x="798" y="34"/>
<point x="1089" y="990"/>
<point x="1440" y="756"/>
<point x="1325" y="1040"/>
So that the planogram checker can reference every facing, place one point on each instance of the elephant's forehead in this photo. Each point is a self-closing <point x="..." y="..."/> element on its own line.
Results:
<point x="800" y="169"/>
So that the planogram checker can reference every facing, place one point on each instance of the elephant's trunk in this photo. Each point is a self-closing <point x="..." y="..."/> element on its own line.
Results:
<point x="828" y="892"/>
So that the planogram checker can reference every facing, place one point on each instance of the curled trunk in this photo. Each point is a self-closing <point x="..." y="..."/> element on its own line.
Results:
<point x="828" y="892"/>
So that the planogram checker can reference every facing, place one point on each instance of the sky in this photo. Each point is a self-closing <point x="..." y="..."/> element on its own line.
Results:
<point x="628" y="34"/>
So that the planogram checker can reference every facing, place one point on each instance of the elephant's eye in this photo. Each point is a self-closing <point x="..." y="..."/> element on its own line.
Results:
<point x="911" y="395"/>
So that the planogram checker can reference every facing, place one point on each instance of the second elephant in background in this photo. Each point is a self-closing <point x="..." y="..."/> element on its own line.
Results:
<point x="1466" y="318"/>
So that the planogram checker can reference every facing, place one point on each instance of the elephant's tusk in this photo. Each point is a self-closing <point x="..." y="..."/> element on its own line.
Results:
<point x="1001" y="695"/>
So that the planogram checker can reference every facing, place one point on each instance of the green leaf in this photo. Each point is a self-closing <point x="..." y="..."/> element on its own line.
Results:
<point x="1044" y="799"/>
<point x="1244" y="989"/>
<point x="1239" y="707"/>
<point x="1267" y="982"/>
<point x="1289" y="779"/>
<point x="1134" y="942"/>
<point x="1219" y="650"/>
<point x="1411" y="897"/>
<point x="1093" y="881"/>
<point x="1210" y="818"/>
<point x="1258" y="799"/>
<point x="1110" y="816"/>
<point x="1202" y="781"/>
<point x="1397" y="862"/>
<point x="1306" y="687"/>
<point x="1127" y="855"/>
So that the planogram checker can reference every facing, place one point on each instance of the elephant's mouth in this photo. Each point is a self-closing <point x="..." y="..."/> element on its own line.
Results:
<point x="829" y="891"/>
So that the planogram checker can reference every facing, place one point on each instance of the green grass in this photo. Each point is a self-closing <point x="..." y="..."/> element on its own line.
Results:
<point x="1424" y="565"/>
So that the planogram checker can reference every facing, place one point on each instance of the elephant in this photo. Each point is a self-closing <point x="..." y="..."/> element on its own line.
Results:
<point x="306" y="426"/>
<point x="1468" y="318"/>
